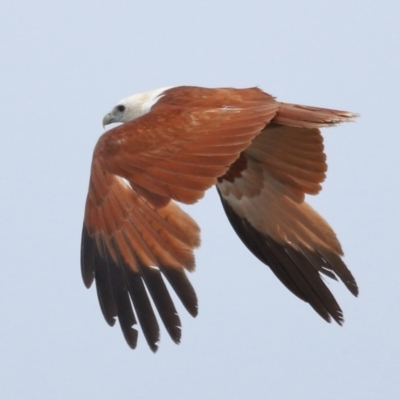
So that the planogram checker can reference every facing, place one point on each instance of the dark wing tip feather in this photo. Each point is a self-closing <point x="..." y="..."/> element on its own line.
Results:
<point x="162" y="301"/>
<point x="339" y="267"/>
<point x="104" y="288"/>
<point x="183" y="288"/>
<point x="121" y="297"/>
<point x="87" y="258"/>
<point x="320" y="297"/>
<point x="144" y="310"/>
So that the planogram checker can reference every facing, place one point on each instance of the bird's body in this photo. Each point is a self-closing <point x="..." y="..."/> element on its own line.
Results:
<point x="174" y="144"/>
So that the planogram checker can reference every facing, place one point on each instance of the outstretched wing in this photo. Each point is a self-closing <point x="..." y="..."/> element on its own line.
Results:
<point x="133" y="230"/>
<point x="263" y="196"/>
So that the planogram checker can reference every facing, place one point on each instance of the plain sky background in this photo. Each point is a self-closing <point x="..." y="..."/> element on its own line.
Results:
<point x="63" y="66"/>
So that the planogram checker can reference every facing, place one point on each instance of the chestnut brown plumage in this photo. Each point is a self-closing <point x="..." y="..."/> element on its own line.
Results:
<point x="174" y="144"/>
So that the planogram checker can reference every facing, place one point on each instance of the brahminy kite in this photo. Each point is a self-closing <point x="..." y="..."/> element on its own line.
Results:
<point x="263" y="156"/>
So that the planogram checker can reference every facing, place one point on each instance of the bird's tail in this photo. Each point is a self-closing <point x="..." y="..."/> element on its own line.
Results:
<point x="310" y="117"/>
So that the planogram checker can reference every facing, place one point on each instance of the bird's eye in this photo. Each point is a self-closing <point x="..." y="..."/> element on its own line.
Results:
<point x="120" y="108"/>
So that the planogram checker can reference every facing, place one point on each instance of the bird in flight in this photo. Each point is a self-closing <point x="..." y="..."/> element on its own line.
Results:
<point x="263" y="156"/>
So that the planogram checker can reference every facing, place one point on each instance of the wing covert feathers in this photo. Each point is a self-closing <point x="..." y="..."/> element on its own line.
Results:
<point x="264" y="156"/>
<point x="178" y="152"/>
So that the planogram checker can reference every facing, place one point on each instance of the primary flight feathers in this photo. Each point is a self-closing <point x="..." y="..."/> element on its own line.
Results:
<point x="175" y="143"/>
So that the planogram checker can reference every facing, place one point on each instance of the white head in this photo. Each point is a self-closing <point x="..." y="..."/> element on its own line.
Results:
<point x="133" y="106"/>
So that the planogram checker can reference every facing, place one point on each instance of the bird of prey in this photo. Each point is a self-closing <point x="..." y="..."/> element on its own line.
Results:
<point x="263" y="156"/>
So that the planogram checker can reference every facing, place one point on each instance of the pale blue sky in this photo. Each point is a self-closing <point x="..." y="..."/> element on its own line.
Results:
<point x="63" y="66"/>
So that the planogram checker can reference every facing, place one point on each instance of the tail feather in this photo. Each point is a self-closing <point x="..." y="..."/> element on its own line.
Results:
<point x="310" y="117"/>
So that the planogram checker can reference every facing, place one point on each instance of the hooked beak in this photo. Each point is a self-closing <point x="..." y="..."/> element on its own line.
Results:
<point x="108" y="119"/>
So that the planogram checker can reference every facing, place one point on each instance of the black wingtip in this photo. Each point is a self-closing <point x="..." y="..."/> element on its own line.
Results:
<point x="143" y="307"/>
<point x="87" y="258"/>
<point x="162" y="301"/>
<point x="131" y="336"/>
<point x="118" y="285"/>
<point x="299" y="273"/>
<point x="154" y="346"/>
<point x="183" y="288"/>
<point x="336" y="264"/>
